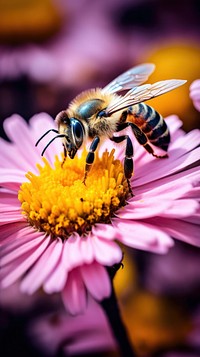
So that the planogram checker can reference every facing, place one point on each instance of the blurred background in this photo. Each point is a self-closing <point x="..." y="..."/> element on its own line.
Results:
<point x="49" y="52"/>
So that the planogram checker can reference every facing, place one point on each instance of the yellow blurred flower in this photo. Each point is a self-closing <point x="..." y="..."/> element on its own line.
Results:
<point x="155" y="323"/>
<point x="176" y="60"/>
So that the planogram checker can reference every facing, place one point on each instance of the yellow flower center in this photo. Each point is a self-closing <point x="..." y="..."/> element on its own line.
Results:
<point x="59" y="203"/>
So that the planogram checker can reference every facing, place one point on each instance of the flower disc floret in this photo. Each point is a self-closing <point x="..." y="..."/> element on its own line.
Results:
<point x="58" y="202"/>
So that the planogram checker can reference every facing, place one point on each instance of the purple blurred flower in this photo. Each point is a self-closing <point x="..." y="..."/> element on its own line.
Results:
<point x="85" y="46"/>
<point x="195" y="93"/>
<point x="86" y="333"/>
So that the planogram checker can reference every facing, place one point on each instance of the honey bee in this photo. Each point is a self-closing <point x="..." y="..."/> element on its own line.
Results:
<point x="100" y="113"/>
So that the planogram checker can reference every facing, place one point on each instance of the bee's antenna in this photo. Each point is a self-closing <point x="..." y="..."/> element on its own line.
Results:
<point x="47" y="132"/>
<point x="55" y="137"/>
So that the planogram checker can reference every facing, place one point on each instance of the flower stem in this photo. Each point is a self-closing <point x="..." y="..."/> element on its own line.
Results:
<point x="112" y="311"/>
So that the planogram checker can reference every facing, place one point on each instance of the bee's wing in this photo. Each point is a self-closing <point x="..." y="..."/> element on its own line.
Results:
<point x="142" y="93"/>
<point x="131" y="78"/>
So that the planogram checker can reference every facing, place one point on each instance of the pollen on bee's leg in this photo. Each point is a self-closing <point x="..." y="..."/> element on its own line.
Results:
<point x="57" y="202"/>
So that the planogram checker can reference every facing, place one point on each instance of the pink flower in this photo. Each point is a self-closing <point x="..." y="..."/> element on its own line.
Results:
<point x="164" y="205"/>
<point x="195" y="93"/>
<point x="83" y="334"/>
<point x="176" y="273"/>
<point x="87" y="45"/>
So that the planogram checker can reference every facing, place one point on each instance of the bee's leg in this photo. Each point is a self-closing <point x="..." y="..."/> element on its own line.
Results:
<point x="65" y="155"/>
<point x="90" y="156"/>
<point x="128" y="160"/>
<point x="141" y="138"/>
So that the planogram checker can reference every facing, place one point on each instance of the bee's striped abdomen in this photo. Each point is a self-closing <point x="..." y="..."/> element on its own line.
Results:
<point x="151" y="123"/>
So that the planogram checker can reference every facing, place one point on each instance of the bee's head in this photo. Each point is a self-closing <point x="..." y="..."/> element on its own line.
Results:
<point x="73" y="132"/>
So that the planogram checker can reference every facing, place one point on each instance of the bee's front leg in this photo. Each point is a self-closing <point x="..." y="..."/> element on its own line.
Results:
<point x="65" y="155"/>
<point x="90" y="156"/>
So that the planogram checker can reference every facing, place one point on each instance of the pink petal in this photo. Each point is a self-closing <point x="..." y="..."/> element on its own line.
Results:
<point x="20" y="237"/>
<point x="194" y="218"/>
<point x="18" y="131"/>
<point x="188" y="141"/>
<point x="23" y="248"/>
<point x="143" y="209"/>
<point x="195" y="95"/>
<point x="172" y="187"/>
<point x="143" y="236"/>
<point x="96" y="280"/>
<point x="105" y="231"/>
<point x="195" y="84"/>
<point x="186" y="232"/>
<point x="174" y="123"/>
<point x="158" y="169"/>
<point x="181" y="208"/>
<point x="106" y="252"/>
<point x="86" y="249"/>
<point x="56" y="281"/>
<point x="9" y="153"/>
<point x="40" y="123"/>
<point x="9" y="202"/>
<point x="44" y="266"/>
<point x="10" y="231"/>
<point x="12" y="178"/>
<point x="72" y="253"/>
<point x="74" y="294"/>
<point x="194" y="193"/>
<point x="25" y="264"/>
<point x="10" y="217"/>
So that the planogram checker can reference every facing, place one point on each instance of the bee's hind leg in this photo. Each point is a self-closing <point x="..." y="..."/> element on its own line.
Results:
<point x="141" y="138"/>
<point x="90" y="156"/>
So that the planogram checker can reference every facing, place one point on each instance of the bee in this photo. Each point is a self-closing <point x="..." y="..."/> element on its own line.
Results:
<point x="101" y="113"/>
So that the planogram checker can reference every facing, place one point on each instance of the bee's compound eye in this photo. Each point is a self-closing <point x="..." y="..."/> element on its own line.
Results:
<point x="78" y="131"/>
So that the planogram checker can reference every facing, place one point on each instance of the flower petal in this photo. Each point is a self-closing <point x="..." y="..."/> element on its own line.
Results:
<point x="9" y="202"/>
<point x="143" y="209"/>
<point x="72" y="253"/>
<point x="106" y="252"/>
<point x="179" y="229"/>
<point x="10" y="231"/>
<point x="19" y="133"/>
<point x="19" y="237"/>
<point x="12" y="179"/>
<point x="10" y="217"/>
<point x="9" y="152"/>
<point x="105" y="231"/>
<point x="157" y="169"/>
<point x="23" y="248"/>
<point x="86" y="249"/>
<point x="181" y="208"/>
<point x="56" y="281"/>
<point x="41" y="123"/>
<point x="96" y="280"/>
<point x="44" y="266"/>
<point x="143" y="236"/>
<point x="24" y="264"/>
<point x="74" y="294"/>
